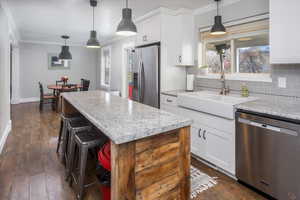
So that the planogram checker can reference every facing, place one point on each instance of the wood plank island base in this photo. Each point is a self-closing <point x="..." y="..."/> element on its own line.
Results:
<point x="150" y="148"/>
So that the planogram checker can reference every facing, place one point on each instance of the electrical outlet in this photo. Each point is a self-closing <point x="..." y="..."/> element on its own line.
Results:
<point x="282" y="82"/>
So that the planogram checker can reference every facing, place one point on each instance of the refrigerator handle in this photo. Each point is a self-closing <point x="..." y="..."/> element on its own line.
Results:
<point x="142" y="82"/>
<point x="139" y="80"/>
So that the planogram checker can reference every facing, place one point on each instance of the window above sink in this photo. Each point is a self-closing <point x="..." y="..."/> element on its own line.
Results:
<point x="247" y="57"/>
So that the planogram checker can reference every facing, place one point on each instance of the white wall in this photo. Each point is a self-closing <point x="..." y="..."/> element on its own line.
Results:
<point x="117" y="62"/>
<point x="4" y="78"/>
<point x="34" y="67"/>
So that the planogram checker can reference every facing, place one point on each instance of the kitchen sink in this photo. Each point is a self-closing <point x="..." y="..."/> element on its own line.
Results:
<point x="212" y="102"/>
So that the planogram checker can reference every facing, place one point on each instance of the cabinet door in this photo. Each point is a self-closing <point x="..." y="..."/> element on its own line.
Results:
<point x="149" y="30"/>
<point x="186" y="44"/>
<point x="198" y="144"/>
<point x="220" y="149"/>
<point x="284" y="31"/>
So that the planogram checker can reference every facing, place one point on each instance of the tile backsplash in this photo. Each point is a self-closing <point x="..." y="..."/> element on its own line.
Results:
<point x="290" y="72"/>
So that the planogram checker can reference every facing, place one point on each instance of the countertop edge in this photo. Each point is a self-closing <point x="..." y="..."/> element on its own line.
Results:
<point x="131" y="138"/>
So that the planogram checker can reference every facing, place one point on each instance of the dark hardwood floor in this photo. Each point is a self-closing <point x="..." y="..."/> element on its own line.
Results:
<point x="30" y="168"/>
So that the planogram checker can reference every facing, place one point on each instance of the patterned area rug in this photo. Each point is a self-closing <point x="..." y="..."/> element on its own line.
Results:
<point x="200" y="182"/>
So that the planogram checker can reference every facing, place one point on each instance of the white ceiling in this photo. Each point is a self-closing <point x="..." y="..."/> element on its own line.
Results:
<point x="47" y="20"/>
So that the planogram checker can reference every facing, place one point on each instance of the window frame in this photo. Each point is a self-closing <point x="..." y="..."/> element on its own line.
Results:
<point x="103" y="66"/>
<point x="259" y="77"/>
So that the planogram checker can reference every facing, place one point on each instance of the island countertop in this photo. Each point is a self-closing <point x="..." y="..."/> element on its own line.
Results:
<point x="123" y="120"/>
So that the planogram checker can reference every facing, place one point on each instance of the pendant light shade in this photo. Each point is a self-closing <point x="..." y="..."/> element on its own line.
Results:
<point x="65" y="50"/>
<point x="126" y="27"/>
<point x="218" y="28"/>
<point x="93" y="41"/>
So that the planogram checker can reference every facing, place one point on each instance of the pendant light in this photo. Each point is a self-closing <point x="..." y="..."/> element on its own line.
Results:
<point x="65" y="53"/>
<point x="93" y="41"/>
<point x="126" y="27"/>
<point x="218" y="28"/>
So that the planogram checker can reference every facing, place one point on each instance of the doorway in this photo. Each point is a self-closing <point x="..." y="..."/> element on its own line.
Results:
<point x="126" y="62"/>
<point x="10" y="75"/>
<point x="10" y="68"/>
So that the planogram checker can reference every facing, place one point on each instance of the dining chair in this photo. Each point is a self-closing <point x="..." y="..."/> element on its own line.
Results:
<point x="60" y="82"/>
<point x="85" y="84"/>
<point x="46" y="98"/>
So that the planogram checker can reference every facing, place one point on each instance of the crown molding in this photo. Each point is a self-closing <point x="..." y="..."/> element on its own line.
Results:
<point x="213" y="6"/>
<point x="158" y="11"/>
<point x="259" y="17"/>
<point x="163" y="10"/>
<point x="51" y="43"/>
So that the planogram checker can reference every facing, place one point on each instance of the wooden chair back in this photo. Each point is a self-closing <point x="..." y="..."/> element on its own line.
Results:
<point x="85" y="84"/>
<point x="60" y="82"/>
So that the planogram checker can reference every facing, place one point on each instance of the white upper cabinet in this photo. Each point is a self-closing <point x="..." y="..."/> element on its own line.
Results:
<point x="175" y="32"/>
<point x="186" y="43"/>
<point x="284" y="31"/>
<point x="149" y="30"/>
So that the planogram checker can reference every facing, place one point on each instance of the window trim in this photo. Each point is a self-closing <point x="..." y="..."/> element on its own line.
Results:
<point x="102" y="71"/>
<point x="262" y="77"/>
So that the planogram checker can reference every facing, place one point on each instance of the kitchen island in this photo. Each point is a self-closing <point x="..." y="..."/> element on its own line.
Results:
<point x="150" y="148"/>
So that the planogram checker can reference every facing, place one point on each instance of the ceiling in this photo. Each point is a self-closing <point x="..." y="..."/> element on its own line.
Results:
<point x="46" y="20"/>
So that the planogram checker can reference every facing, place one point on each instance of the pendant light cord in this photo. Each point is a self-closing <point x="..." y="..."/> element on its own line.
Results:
<point x="93" y="18"/>
<point x="126" y="3"/>
<point x="218" y="8"/>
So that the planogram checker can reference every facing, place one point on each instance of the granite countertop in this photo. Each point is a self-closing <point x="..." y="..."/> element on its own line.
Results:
<point x="276" y="106"/>
<point x="123" y="120"/>
<point x="174" y="93"/>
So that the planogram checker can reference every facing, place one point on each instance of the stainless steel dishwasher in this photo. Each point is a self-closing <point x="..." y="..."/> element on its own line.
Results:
<point x="268" y="154"/>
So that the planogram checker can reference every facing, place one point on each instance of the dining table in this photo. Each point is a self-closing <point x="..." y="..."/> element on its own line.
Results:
<point x="58" y="89"/>
<point x="67" y="87"/>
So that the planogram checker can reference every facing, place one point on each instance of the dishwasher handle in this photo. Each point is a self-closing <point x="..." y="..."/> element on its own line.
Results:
<point x="268" y="127"/>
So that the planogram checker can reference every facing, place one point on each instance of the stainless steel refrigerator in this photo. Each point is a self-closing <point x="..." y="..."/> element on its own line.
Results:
<point x="144" y="75"/>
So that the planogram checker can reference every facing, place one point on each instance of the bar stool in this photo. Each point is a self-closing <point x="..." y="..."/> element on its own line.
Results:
<point x="74" y="126"/>
<point x="85" y="141"/>
<point x="63" y="126"/>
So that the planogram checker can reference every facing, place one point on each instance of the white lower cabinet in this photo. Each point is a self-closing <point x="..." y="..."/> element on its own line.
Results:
<point x="214" y="146"/>
<point x="198" y="144"/>
<point x="208" y="142"/>
<point x="220" y="149"/>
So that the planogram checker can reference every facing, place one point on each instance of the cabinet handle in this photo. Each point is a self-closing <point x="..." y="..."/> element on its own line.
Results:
<point x="199" y="133"/>
<point x="204" y="134"/>
<point x="180" y="59"/>
<point x="169" y="100"/>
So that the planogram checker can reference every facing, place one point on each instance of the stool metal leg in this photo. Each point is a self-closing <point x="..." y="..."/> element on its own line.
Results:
<point x="60" y="135"/>
<point x="70" y="161"/>
<point x="82" y="166"/>
<point x="65" y="134"/>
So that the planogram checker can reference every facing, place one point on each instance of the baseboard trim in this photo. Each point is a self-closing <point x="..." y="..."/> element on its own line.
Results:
<point x="29" y="100"/>
<point x="7" y="130"/>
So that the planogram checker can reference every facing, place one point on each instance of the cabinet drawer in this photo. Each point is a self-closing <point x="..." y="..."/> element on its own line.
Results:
<point x="222" y="124"/>
<point x="169" y="100"/>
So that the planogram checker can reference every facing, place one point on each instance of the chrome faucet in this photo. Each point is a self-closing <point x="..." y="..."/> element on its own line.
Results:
<point x="221" y="48"/>
<point x="224" y="90"/>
